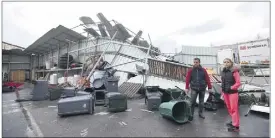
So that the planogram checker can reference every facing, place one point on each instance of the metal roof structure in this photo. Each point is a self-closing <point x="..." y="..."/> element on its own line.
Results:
<point x="53" y="38"/>
<point x="9" y="44"/>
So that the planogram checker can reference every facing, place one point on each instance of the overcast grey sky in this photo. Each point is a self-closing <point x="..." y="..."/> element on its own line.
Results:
<point x="170" y="25"/>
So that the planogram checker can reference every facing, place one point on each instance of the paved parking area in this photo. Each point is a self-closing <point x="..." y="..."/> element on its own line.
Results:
<point x="135" y="122"/>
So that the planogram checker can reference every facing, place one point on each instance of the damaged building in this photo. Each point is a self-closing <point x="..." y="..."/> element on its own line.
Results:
<point x="126" y="52"/>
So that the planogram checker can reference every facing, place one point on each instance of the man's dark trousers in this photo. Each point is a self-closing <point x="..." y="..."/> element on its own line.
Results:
<point x="194" y="95"/>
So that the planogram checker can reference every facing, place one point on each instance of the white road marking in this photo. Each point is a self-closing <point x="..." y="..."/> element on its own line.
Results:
<point x="34" y="124"/>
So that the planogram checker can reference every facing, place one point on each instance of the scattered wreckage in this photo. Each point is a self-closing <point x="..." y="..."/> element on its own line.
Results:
<point x="107" y="79"/>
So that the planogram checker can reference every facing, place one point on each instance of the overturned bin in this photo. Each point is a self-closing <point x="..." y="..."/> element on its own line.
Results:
<point x="116" y="102"/>
<point x="176" y="110"/>
<point x="153" y="97"/>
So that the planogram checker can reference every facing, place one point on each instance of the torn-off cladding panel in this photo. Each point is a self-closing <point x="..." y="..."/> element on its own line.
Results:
<point x="133" y="52"/>
<point x="164" y="83"/>
<point x="102" y="30"/>
<point x="129" y="67"/>
<point x="92" y="32"/>
<point x="122" y="34"/>
<point x="109" y="27"/>
<point x="113" y="47"/>
<point x="158" y="81"/>
<point x="108" y="57"/>
<point x="130" y="89"/>
<point x="136" y="38"/>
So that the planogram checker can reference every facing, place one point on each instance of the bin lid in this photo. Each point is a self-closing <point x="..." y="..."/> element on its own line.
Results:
<point x="112" y="79"/>
<point x="115" y="95"/>
<point x="154" y="97"/>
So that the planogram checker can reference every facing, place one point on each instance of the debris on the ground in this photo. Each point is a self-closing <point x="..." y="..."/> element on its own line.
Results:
<point x="129" y="110"/>
<point x="122" y="123"/>
<point x="102" y="113"/>
<point x="52" y="106"/>
<point x="146" y="110"/>
<point x="84" y="132"/>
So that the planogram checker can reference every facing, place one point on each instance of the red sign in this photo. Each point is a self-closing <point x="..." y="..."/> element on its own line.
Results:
<point x="242" y="47"/>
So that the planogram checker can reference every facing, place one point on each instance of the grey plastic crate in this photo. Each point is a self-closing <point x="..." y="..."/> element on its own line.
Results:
<point x="153" y="102"/>
<point x="116" y="102"/>
<point x="76" y="105"/>
<point x="111" y="84"/>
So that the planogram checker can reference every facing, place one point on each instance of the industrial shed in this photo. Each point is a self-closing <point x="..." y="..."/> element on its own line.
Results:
<point x="16" y="63"/>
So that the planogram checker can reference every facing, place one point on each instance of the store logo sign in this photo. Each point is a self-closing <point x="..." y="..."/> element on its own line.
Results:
<point x="243" y="48"/>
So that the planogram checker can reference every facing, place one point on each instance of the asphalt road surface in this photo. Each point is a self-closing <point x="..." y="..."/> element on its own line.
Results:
<point x="40" y="119"/>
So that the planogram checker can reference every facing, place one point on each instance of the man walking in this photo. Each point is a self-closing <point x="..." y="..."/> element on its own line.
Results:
<point x="198" y="79"/>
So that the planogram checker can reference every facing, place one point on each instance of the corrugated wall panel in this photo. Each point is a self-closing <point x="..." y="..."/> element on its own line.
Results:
<point x="63" y="50"/>
<point x="73" y="47"/>
<point x="5" y="58"/>
<point x="133" y="51"/>
<point x="16" y="58"/>
<point x="113" y="47"/>
<point x="19" y="66"/>
<point x="5" y="67"/>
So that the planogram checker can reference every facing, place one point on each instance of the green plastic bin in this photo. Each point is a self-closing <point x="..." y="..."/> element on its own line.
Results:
<point x="176" y="110"/>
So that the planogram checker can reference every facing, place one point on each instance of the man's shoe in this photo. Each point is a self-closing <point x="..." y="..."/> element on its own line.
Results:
<point x="202" y="116"/>
<point x="229" y="124"/>
<point x="233" y="129"/>
<point x="190" y="118"/>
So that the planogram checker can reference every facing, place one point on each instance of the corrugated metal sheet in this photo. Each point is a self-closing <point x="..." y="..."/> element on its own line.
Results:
<point x="112" y="47"/>
<point x="133" y="52"/>
<point x="195" y="50"/>
<point x="130" y="89"/>
<point x="164" y="83"/>
<point x="158" y="81"/>
<point x="108" y="57"/>
<point x="136" y="79"/>
<point x="130" y="67"/>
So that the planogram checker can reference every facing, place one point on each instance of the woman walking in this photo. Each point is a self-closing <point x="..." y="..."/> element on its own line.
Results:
<point x="230" y="84"/>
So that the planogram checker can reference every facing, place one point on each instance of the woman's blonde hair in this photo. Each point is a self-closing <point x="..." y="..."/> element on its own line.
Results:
<point x="232" y="64"/>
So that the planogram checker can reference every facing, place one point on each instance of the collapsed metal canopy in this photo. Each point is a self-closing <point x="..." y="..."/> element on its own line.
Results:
<point x="53" y="38"/>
